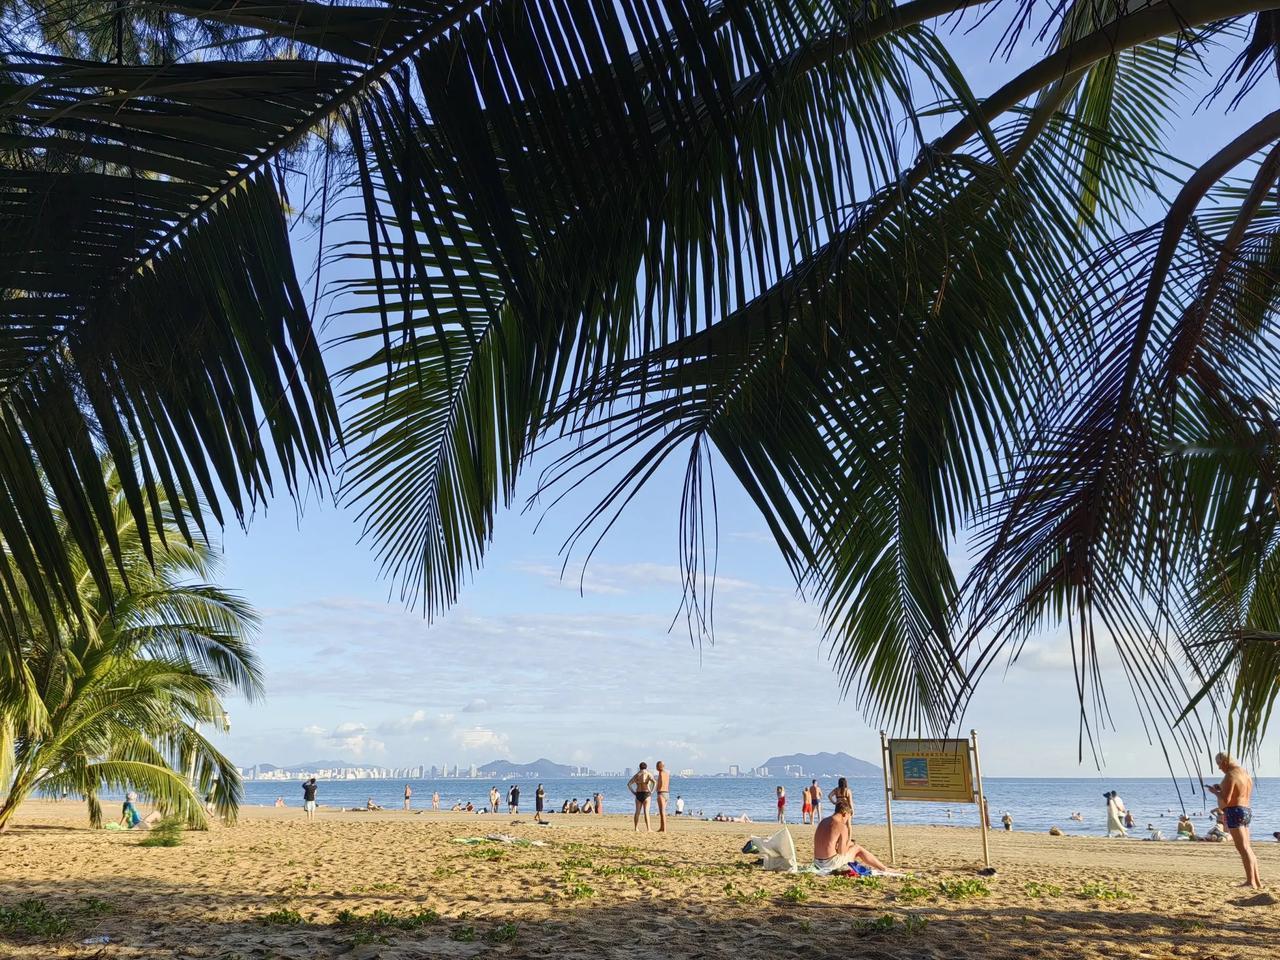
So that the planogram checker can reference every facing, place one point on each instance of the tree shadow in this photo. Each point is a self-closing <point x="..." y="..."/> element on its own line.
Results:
<point x="158" y="919"/>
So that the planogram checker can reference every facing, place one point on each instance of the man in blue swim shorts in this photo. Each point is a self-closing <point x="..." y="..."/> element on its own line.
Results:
<point x="1234" y="794"/>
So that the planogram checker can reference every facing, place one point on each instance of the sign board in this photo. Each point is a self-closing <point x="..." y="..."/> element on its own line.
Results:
<point x="931" y="770"/>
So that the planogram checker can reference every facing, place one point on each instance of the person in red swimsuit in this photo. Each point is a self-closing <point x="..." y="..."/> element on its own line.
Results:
<point x="806" y="811"/>
<point x="782" y="804"/>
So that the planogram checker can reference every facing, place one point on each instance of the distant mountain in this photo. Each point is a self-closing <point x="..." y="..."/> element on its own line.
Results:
<point x="542" y="767"/>
<point x="823" y="764"/>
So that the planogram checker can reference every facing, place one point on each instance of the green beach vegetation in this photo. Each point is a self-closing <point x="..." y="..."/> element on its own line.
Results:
<point x="115" y="697"/>
<point x="915" y="315"/>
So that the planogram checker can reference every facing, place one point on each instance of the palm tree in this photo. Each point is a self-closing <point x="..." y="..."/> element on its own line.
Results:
<point x="721" y="232"/>
<point x="116" y="698"/>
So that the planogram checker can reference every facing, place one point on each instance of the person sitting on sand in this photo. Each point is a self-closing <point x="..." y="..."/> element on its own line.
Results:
<point x="1153" y="833"/>
<point x="641" y="787"/>
<point x="370" y="805"/>
<point x="130" y="819"/>
<point x="1215" y="834"/>
<point x="1276" y="836"/>
<point x="564" y="807"/>
<point x="279" y="801"/>
<point x="833" y="848"/>
<point x="1234" y="793"/>
<point x="1186" y="828"/>
<point x="457" y="807"/>
<point x="470" y="807"/>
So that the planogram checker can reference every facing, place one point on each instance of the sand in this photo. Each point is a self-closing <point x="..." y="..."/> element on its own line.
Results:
<point x="275" y="886"/>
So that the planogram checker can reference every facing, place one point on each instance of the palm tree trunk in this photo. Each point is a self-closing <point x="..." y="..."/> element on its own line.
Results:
<point x="19" y="791"/>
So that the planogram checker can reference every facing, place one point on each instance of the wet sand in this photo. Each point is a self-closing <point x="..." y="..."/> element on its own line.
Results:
<point x="396" y="885"/>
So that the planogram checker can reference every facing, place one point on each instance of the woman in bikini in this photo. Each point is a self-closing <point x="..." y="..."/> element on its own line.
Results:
<point x="842" y="794"/>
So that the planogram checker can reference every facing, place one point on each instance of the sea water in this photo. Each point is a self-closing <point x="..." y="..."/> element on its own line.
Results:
<point x="1034" y="804"/>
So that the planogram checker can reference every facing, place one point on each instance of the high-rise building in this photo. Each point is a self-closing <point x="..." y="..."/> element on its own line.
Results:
<point x="734" y="770"/>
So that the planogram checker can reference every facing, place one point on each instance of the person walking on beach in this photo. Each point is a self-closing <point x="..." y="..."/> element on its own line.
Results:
<point x="493" y="799"/>
<point x="513" y="800"/>
<point x="815" y="800"/>
<point x="782" y="804"/>
<point x="641" y="785"/>
<point x="663" y="791"/>
<point x="1115" y="814"/>
<point x="1234" y="794"/>
<point x="309" y="798"/>
<point x="435" y="800"/>
<point x="408" y="795"/>
<point x="539" y="801"/>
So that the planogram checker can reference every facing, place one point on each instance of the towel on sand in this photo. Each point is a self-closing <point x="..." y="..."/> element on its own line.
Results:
<point x="500" y="838"/>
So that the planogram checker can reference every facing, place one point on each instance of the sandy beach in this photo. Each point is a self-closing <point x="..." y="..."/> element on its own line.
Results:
<point x="397" y="885"/>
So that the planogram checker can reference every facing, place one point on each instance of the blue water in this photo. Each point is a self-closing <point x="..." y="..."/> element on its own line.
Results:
<point x="1035" y="805"/>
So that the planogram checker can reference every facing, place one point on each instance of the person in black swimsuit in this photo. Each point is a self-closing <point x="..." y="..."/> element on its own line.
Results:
<point x="641" y="785"/>
<point x="539" y="798"/>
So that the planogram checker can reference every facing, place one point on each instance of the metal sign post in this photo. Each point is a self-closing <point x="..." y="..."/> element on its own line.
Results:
<point x="982" y="799"/>
<point x="888" y="791"/>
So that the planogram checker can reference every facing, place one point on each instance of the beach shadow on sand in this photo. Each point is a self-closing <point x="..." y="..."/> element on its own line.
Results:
<point x="147" y="919"/>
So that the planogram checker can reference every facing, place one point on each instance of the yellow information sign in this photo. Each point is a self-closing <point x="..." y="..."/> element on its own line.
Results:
<point x="931" y="770"/>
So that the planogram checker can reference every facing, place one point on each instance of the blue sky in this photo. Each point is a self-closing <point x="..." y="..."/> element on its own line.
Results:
<point x="532" y="664"/>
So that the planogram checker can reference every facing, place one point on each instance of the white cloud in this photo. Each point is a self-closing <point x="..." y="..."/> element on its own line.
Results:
<point x="680" y="748"/>
<point x="416" y="721"/>
<point x="482" y="738"/>
<point x="479" y="705"/>
<point x="350" y="738"/>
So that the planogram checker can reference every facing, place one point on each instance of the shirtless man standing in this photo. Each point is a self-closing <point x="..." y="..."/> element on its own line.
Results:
<point x="1234" y="793"/>
<point x="663" y="791"/>
<point x="641" y="785"/>
<point x="815" y="800"/>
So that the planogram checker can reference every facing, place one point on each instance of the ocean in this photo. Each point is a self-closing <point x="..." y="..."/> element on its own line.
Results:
<point x="1035" y="804"/>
